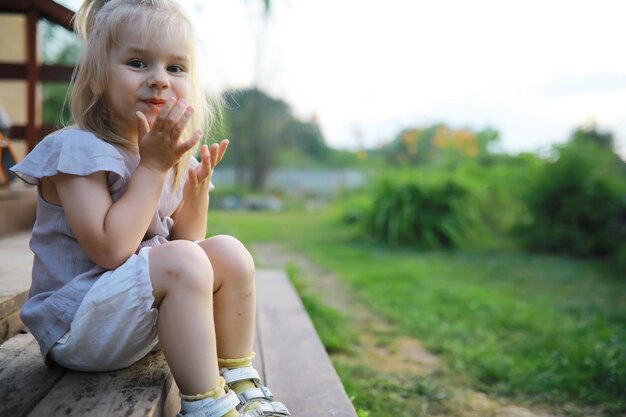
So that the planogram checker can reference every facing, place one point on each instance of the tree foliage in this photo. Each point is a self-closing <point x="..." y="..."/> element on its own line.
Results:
<point x="577" y="203"/>
<point x="591" y="134"/>
<point x="306" y="137"/>
<point x="256" y="122"/>
<point x="263" y="131"/>
<point x="438" y="144"/>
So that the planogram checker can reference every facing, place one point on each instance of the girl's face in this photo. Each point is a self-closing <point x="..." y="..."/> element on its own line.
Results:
<point x="143" y="74"/>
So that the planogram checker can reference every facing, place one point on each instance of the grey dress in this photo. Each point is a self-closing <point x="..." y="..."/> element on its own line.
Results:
<point x="62" y="270"/>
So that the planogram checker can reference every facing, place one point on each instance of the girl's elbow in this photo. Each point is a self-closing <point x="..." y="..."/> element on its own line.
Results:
<point x="109" y="264"/>
<point x="112" y="260"/>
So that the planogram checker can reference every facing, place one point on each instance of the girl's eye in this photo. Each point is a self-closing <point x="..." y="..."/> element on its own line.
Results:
<point x="175" y="68"/>
<point x="136" y="63"/>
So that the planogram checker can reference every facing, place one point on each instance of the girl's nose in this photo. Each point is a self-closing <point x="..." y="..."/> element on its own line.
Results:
<point x="158" y="79"/>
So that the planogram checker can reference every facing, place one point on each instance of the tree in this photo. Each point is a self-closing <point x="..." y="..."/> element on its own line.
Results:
<point x="576" y="203"/>
<point x="591" y="134"/>
<point x="305" y="138"/>
<point x="256" y="123"/>
<point x="439" y="144"/>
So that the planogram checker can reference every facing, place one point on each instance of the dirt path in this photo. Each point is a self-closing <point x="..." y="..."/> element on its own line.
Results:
<point x="383" y="350"/>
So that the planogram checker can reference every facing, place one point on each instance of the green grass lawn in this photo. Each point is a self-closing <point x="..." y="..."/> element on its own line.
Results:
<point x="536" y="328"/>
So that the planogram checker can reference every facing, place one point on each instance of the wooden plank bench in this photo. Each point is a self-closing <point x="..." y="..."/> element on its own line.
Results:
<point x="290" y="358"/>
<point x="16" y="262"/>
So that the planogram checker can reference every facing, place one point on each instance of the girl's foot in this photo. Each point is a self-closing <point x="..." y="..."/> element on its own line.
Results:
<point x="255" y="399"/>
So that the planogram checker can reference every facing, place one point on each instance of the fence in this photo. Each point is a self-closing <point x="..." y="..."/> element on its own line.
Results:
<point x="300" y="181"/>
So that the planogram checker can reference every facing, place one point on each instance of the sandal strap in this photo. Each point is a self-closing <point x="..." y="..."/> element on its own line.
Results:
<point x="266" y="406"/>
<point x="240" y="374"/>
<point x="259" y="393"/>
<point x="218" y="408"/>
<point x="268" y="409"/>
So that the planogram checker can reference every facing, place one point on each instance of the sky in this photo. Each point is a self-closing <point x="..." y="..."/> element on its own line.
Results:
<point x="534" y="70"/>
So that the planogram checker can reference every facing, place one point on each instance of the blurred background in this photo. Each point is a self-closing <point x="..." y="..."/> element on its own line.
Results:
<point x="458" y="167"/>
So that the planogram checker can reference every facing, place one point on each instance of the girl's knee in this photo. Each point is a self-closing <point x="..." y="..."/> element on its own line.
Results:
<point x="233" y="257"/>
<point x="182" y="265"/>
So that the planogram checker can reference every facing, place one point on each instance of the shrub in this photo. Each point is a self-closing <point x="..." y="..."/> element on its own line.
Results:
<point x="576" y="203"/>
<point x="419" y="214"/>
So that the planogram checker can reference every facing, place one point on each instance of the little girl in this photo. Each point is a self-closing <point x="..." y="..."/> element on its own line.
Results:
<point x="121" y="263"/>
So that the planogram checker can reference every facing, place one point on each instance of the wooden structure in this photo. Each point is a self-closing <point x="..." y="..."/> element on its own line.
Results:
<point x="26" y="66"/>
<point x="290" y="358"/>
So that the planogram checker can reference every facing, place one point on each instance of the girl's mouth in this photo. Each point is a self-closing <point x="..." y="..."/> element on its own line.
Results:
<point x="155" y="103"/>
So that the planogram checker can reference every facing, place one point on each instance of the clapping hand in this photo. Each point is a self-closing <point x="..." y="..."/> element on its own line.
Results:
<point x="197" y="186"/>
<point x="161" y="145"/>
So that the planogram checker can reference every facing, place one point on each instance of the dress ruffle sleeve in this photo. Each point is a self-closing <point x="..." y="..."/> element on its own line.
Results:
<point x="70" y="151"/>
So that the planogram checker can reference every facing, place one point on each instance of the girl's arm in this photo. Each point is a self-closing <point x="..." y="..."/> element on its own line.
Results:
<point x="111" y="232"/>
<point x="190" y="218"/>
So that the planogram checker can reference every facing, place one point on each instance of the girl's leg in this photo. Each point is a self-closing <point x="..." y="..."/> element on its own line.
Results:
<point x="182" y="281"/>
<point x="234" y="295"/>
<point x="235" y="303"/>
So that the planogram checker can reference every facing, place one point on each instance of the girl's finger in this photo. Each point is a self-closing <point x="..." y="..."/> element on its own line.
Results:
<point x="191" y="177"/>
<point x="214" y="150"/>
<point x="179" y="127"/>
<point x="162" y="115"/>
<point x="189" y="143"/>
<point x="170" y="125"/>
<point x="143" y="126"/>
<point x="222" y="150"/>
<point x="206" y="161"/>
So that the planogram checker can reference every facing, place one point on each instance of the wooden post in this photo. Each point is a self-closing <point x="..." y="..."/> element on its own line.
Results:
<point x="32" y="77"/>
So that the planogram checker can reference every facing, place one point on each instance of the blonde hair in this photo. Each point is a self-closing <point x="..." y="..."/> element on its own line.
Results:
<point x="98" y="23"/>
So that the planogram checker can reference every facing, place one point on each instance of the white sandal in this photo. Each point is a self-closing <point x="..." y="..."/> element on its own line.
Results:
<point x="267" y="407"/>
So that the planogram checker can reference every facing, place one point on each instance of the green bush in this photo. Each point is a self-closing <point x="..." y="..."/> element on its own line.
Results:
<point x="471" y="206"/>
<point x="619" y="258"/>
<point x="576" y="203"/>
<point x="493" y="205"/>
<point x="416" y="213"/>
